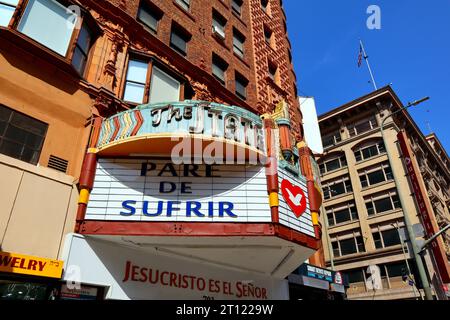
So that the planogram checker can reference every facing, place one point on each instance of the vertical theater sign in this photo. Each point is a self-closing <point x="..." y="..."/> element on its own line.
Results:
<point x="193" y="200"/>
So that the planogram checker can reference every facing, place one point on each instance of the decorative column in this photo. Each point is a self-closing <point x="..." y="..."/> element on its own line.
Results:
<point x="87" y="175"/>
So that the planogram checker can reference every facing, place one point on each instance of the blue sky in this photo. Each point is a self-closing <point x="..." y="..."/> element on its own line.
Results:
<point x="411" y="51"/>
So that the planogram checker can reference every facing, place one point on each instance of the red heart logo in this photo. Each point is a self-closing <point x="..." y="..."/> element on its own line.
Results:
<point x="294" y="196"/>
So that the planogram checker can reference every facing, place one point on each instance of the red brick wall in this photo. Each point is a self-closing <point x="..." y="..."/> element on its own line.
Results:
<point x="118" y="19"/>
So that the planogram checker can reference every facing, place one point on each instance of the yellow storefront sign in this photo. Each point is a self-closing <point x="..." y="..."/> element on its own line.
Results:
<point x="35" y="266"/>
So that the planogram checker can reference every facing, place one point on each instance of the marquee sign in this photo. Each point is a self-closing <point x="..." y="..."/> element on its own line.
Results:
<point x="294" y="211"/>
<point x="211" y="120"/>
<point x="158" y="190"/>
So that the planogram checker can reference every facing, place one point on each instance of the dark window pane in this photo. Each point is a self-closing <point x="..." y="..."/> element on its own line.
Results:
<point x="396" y="202"/>
<point x="84" y="39"/>
<point x="376" y="177"/>
<point x="363" y="181"/>
<point x="348" y="186"/>
<point x="184" y="4"/>
<point x="337" y="189"/>
<point x="2" y="128"/>
<point x="369" y="152"/>
<point x="381" y="147"/>
<point x="330" y="219"/>
<point x="336" y="251"/>
<point x="358" y="156"/>
<point x="322" y="168"/>
<point x="29" y="124"/>
<point x="333" y="165"/>
<point x="343" y="161"/>
<point x="21" y="137"/>
<point x="79" y="60"/>
<point x="377" y="240"/>
<point x="370" y="208"/>
<point x="354" y="213"/>
<point x="383" y="205"/>
<point x="396" y="269"/>
<point x="150" y="18"/>
<point x="178" y="42"/>
<point x="342" y="216"/>
<point x="11" y="149"/>
<point x="360" y="243"/>
<point x="5" y="114"/>
<point x="391" y="238"/>
<point x="348" y="246"/>
<point x="16" y="134"/>
<point x="326" y="193"/>
<point x="355" y="276"/>
<point x="388" y="172"/>
<point x="236" y="6"/>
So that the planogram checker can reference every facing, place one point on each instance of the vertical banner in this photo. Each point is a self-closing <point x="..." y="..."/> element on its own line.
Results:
<point x="425" y="210"/>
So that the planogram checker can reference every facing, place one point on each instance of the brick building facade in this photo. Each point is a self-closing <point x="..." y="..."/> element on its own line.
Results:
<point x="88" y="61"/>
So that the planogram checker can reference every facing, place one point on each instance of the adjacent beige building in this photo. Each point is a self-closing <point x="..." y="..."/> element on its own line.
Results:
<point x="362" y="211"/>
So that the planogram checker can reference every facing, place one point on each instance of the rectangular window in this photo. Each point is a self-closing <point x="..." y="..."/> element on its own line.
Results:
<point x="238" y="43"/>
<point x="140" y="88"/>
<point x="241" y="86"/>
<point x="236" y="5"/>
<point x="342" y="216"/>
<point x="333" y="164"/>
<point x="218" y="25"/>
<point x="21" y="136"/>
<point x="219" y="67"/>
<point x="49" y="23"/>
<point x="348" y="246"/>
<point x="330" y="219"/>
<point x="163" y="87"/>
<point x="179" y="40"/>
<point x="390" y="238"/>
<point x="369" y="152"/>
<point x="336" y="251"/>
<point x="82" y="47"/>
<point x="149" y="17"/>
<point x="363" y="126"/>
<point x="360" y="244"/>
<point x="336" y="188"/>
<point x="377" y="240"/>
<point x="136" y="81"/>
<point x="185" y="4"/>
<point x="331" y="139"/>
<point x="383" y="205"/>
<point x="7" y="8"/>
<point x="376" y="177"/>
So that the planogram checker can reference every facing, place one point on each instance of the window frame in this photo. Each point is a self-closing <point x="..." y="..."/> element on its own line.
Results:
<point x="372" y="121"/>
<point x="34" y="121"/>
<point x="355" y="236"/>
<point x="184" y="4"/>
<point x="345" y="180"/>
<point x="153" y="12"/>
<point x="358" y="152"/>
<point x="364" y="175"/>
<point x="84" y="19"/>
<point x="239" y="78"/>
<point x="382" y="196"/>
<point x="151" y="63"/>
<point x="183" y="35"/>
<point x="220" y="63"/>
<point x="340" y="158"/>
<point x="352" y="214"/>
<point x="336" y="137"/>
<point x="237" y="35"/>
<point x="233" y="9"/>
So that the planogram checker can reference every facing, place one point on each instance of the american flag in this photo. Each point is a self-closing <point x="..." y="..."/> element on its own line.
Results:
<point x="360" y="56"/>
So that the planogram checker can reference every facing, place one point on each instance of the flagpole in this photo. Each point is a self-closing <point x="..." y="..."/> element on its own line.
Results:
<point x="366" y="57"/>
